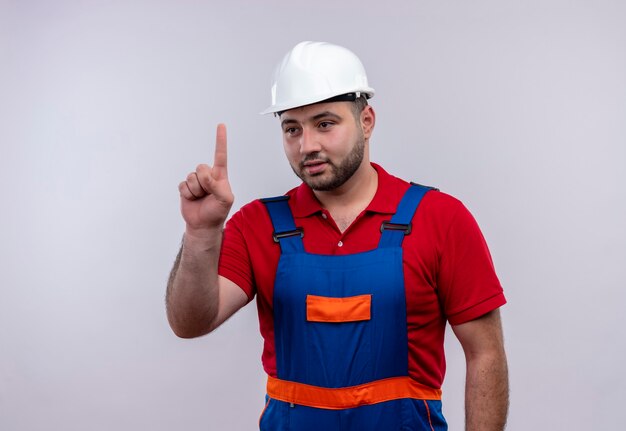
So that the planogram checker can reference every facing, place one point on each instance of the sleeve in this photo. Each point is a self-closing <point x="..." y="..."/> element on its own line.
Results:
<point x="468" y="284"/>
<point x="235" y="263"/>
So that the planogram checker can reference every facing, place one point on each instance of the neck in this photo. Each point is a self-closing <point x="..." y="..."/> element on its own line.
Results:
<point x="351" y="198"/>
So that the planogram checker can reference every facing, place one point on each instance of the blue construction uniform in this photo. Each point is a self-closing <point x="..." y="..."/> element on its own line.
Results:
<point x="341" y="335"/>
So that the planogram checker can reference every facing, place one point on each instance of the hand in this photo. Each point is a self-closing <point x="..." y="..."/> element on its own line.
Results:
<point x="205" y="196"/>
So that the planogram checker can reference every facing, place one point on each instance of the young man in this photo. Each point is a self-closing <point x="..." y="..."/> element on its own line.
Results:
<point x="355" y="272"/>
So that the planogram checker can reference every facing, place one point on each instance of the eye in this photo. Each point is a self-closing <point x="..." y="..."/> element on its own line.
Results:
<point x="291" y="131"/>
<point x="325" y="124"/>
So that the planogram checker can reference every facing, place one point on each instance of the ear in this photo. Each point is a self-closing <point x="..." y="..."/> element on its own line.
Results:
<point x="368" y="121"/>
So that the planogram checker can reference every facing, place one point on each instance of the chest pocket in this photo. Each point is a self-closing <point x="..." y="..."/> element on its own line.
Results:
<point x="327" y="309"/>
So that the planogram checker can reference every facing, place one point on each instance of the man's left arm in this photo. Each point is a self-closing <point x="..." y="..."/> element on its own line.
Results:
<point x="486" y="381"/>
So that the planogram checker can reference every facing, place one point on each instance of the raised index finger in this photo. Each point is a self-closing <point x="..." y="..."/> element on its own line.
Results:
<point x="220" y="159"/>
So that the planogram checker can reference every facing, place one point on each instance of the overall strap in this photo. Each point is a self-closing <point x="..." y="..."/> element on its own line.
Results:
<point x="285" y="231"/>
<point x="393" y="231"/>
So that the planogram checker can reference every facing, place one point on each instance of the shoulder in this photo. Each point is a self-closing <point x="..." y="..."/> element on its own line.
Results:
<point x="445" y="214"/>
<point x="442" y="203"/>
<point x="255" y="212"/>
<point x="393" y="188"/>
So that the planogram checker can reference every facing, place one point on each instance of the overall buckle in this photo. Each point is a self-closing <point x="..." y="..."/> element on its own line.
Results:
<point x="387" y="225"/>
<point x="279" y="235"/>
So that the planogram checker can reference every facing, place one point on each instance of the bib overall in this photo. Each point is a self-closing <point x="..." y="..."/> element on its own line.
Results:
<point x="340" y="332"/>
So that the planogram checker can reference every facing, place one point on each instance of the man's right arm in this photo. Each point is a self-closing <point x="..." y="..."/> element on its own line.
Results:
<point x="198" y="300"/>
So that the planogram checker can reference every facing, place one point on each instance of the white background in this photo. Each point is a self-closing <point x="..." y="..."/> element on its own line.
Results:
<point x="516" y="107"/>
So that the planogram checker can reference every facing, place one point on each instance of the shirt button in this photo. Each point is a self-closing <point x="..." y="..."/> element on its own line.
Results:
<point x="340" y="244"/>
<point x="324" y="216"/>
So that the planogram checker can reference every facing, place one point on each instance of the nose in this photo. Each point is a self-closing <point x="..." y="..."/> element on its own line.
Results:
<point x="309" y="142"/>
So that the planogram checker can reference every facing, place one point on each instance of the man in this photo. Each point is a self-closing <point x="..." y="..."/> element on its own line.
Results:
<point x="355" y="271"/>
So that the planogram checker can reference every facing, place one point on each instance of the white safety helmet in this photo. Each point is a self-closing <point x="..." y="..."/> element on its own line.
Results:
<point x="314" y="72"/>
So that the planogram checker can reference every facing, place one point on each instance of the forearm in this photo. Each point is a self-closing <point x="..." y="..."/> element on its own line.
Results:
<point x="486" y="392"/>
<point x="192" y="297"/>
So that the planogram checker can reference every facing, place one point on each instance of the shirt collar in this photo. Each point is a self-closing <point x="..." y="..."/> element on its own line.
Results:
<point x="389" y="192"/>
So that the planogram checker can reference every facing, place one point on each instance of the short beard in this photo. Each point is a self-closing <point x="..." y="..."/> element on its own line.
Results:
<point x="340" y="174"/>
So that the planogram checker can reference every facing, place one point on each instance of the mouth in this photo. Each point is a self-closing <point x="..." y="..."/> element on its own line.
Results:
<point x="314" y="167"/>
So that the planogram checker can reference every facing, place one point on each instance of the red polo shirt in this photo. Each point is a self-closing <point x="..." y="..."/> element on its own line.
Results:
<point x="448" y="271"/>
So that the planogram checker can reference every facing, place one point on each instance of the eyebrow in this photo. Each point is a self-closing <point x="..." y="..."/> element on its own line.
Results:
<point x="316" y="117"/>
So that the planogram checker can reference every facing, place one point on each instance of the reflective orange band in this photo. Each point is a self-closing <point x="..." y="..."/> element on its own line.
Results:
<point x="325" y="309"/>
<point x="344" y="398"/>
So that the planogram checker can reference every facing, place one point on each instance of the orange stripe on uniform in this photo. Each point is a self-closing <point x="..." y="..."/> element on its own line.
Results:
<point x="430" y="422"/>
<point x="354" y="396"/>
<point x="267" y="403"/>
<point x="350" y="309"/>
